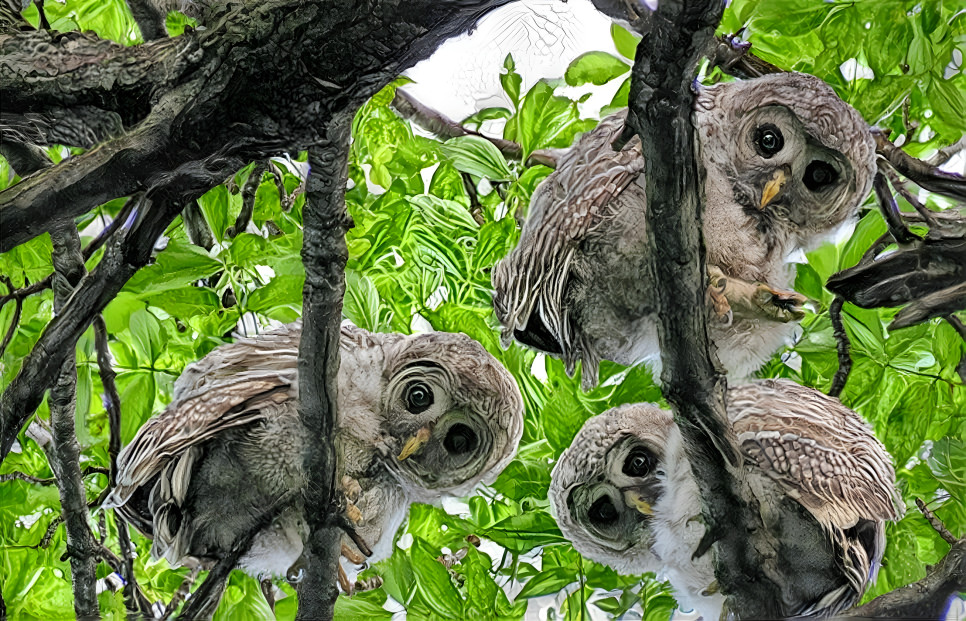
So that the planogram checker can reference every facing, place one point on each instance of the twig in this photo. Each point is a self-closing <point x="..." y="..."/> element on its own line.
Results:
<point x="29" y="478"/>
<point x="248" y="200"/>
<point x="922" y="210"/>
<point x="890" y="211"/>
<point x="946" y="153"/>
<point x="88" y="252"/>
<point x="112" y="403"/>
<point x="842" y="346"/>
<point x="205" y="599"/>
<point x="919" y="172"/>
<point x="444" y="127"/>
<point x="936" y="523"/>
<point x="735" y="58"/>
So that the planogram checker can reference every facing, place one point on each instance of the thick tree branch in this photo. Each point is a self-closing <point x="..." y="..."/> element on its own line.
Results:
<point x="65" y="462"/>
<point x="324" y="254"/>
<point x="660" y="113"/>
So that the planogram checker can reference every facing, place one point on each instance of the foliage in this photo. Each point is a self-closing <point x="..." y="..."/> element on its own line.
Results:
<point x="431" y="220"/>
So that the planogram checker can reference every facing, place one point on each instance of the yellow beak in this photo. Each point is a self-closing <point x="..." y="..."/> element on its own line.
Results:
<point x="773" y="187"/>
<point x="415" y="443"/>
<point x="633" y="499"/>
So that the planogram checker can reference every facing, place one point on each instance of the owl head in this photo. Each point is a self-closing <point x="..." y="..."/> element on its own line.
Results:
<point x="792" y="155"/>
<point x="453" y="416"/>
<point x="607" y="487"/>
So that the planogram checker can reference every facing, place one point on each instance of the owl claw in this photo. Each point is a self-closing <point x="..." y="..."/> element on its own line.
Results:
<point x="732" y="296"/>
<point x="780" y="305"/>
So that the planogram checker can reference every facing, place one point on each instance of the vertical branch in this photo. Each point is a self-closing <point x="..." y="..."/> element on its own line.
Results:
<point x="324" y="254"/>
<point x="660" y="113"/>
<point x="112" y="400"/>
<point x="81" y="547"/>
<point x="842" y="347"/>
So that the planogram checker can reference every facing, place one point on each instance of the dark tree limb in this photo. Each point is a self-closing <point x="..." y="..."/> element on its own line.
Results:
<point x="22" y="476"/>
<point x="890" y="210"/>
<point x="842" y="347"/>
<point x="249" y="190"/>
<point x="324" y="254"/>
<point x="81" y="546"/>
<point x="919" y="172"/>
<point x="680" y="32"/>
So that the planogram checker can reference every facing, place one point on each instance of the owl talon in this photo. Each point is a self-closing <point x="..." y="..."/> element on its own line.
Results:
<point x="781" y="305"/>
<point x="351" y="489"/>
<point x="717" y="283"/>
<point x="344" y="583"/>
<point x="352" y="556"/>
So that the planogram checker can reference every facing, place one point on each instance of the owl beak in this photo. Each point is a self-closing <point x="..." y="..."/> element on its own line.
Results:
<point x="633" y="499"/>
<point x="773" y="187"/>
<point x="414" y="444"/>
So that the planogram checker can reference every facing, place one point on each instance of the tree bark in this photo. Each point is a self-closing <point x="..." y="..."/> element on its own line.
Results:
<point x="208" y="112"/>
<point x="661" y="99"/>
<point x="81" y="547"/>
<point x="324" y="254"/>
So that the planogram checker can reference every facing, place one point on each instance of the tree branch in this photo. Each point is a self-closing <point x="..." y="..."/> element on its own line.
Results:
<point x="661" y="100"/>
<point x="81" y="547"/>
<point x="324" y="254"/>
<point x="842" y="347"/>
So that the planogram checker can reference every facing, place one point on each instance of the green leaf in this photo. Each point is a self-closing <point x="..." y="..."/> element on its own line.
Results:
<point x="361" y="303"/>
<point x="511" y="81"/>
<point x="547" y="582"/>
<point x="595" y="68"/>
<point x="477" y="156"/>
<point x="433" y="581"/>
<point x="625" y="41"/>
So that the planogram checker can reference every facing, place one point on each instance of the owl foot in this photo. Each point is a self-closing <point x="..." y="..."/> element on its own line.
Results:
<point x="351" y="489"/>
<point x="268" y="592"/>
<point x="717" y="284"/>
<point x="732" y="296"/>
<point x="783" y="306"/>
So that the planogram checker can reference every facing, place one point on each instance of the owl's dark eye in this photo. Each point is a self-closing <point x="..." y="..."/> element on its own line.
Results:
<point x="602" y="512"/>
<point x="460" y="439"/>
<point x="768" y="140"/>
<point x="819" y="175"/>
<point x="637" y="463"/>
<point x="419" y="397"/>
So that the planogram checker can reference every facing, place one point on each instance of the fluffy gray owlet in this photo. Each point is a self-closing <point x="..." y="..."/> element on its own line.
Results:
<point x="420" y="417"/>
<point x="787" y="162"/>
<point x="624" y="494"/>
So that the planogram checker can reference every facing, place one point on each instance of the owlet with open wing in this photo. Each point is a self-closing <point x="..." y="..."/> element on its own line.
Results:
<point x="787" y="163"/>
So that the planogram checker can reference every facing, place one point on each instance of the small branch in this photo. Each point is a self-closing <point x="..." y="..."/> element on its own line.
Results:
<point x="946" y="153"/>
<point x="81" y="546"/>
<point x="842" y="347"/>
<point x="89" y="250"/>
<point x="735" y="58"/>
<point x="936" y="523"/>
<point x="324" y="255"/>
<point x="919" y="172"/>
<point x="14" y="321"/>
<point x="21" y="476"/>
<point x="924" y="212"/>
<point x="444" y="127"/>
<point x="204" y="601"/>
<point x="248" y="200"/>
<point x="890" y="211"/>
<point x="112" y="402"/>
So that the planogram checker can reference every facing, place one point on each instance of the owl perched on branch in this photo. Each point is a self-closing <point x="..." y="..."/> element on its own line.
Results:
<point x="624" y="494"/>
<point x="787" y="162"/>
<point x="419" y="417"/>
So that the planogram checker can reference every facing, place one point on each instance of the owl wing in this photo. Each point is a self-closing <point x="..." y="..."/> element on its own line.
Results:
<point x="822" y="453"/>
<point x="570" y="203"/>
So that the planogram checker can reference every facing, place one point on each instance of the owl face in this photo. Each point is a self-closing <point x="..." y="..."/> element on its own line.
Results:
<point x="606" y="487"/>
<point x="453" y="415"/>
<point x="798" y="159"/>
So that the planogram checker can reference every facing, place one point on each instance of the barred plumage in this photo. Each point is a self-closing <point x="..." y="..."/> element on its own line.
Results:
<point x="823" y="484"/>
